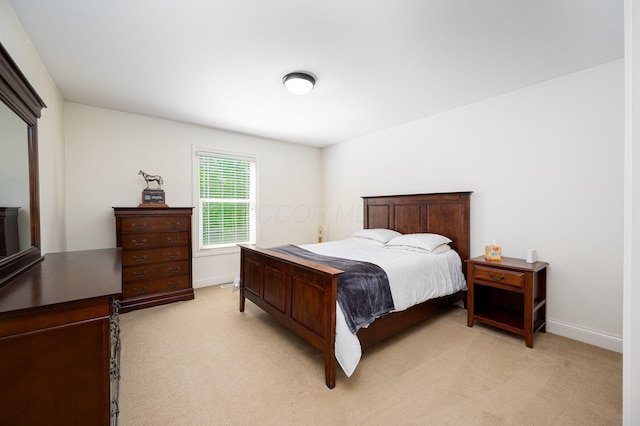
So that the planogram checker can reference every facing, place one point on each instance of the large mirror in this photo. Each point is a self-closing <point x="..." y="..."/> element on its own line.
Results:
<point x="19" y="202"/>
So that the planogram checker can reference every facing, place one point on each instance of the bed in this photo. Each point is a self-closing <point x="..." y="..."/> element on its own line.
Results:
<point x="302" y="295"/>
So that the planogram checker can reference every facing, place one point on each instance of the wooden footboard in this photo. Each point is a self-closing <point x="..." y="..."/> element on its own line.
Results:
<point x="299" y="294"/>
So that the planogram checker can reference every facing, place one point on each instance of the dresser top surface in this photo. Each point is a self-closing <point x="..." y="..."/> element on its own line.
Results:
<point x="64" y="277"/>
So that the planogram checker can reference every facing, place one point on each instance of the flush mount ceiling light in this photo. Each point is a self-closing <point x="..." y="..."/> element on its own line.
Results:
<point x="299" y="83"/>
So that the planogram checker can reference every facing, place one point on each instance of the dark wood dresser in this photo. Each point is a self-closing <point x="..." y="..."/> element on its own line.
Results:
<point x="59" y="341"/>
<point x="156" y="255"/>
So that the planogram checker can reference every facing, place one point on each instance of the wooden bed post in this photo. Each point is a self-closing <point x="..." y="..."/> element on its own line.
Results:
<point x="329" y="349"/>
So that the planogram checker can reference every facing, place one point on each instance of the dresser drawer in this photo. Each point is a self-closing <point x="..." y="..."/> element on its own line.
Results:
<point x="153" y="224"/>
<point x="145" y="257"/>
<point x="502" y="276"/>
<point x="155" y="270"/>
<point x="160" y="239"/>
<point x="146" y="288"/>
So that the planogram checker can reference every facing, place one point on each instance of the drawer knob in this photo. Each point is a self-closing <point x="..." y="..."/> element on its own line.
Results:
<point x="173" y="285"/>
<point x="174" y="270"/>
<point x="174" y="240"/>
<point x="174" y="256"/>
<point x="141" y="259"/>
<point x="136" y="226"/>
<point x="173" y="224"/>
<point x="139" y="243"/>
<point x="500" y="278"/>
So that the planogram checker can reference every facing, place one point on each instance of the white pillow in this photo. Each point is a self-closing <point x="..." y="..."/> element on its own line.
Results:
<point x="377" y="234"/>
<point x="420" y="241"/>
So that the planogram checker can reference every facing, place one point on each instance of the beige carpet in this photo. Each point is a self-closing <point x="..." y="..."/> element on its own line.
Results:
<point x="202" y="362"/>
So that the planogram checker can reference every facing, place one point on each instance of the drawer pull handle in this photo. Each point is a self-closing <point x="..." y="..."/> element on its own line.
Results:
<point x="137" y="275"/>
<point x="173" y="285"/>
<point x="173" y="224"/>
<point x="174" y="270"/>
<point x="139" y="243"/>
<point x="142" y="259"/>
<point x="174" y="256"/>
<point x="500" y="278"/>
<point x="136" y="226"/>
<point x="173" y="241"/>
<point x="140" y="291"/>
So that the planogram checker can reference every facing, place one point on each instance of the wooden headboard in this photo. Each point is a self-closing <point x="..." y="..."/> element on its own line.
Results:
<point x="447" y="214"/>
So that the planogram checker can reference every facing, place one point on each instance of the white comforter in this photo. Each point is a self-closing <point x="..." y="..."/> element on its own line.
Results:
<point x="413" y="277"/>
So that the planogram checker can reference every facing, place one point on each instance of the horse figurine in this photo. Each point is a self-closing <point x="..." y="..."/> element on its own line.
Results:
<point x="151" y="178"/>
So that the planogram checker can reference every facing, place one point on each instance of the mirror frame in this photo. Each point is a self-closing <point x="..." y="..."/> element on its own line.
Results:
<point x="18" y="94"/>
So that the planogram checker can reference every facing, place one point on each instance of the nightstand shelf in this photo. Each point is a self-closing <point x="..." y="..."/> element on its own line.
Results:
<point x="508" y="320"/>
<point x="509" y="294"/>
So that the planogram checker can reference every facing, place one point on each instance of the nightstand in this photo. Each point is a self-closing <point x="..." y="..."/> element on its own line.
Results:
<point x="510" y="294"/>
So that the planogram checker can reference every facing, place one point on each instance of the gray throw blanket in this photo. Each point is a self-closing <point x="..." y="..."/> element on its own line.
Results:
<point x="363" y="289"/>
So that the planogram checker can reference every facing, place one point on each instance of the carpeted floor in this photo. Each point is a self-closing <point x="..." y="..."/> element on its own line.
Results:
<point x="202" y="362"/>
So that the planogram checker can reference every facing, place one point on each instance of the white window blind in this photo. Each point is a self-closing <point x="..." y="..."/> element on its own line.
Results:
<point x="227" y="187"/>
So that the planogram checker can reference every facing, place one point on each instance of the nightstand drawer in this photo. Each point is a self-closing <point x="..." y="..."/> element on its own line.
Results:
<point x="501" y="276"/>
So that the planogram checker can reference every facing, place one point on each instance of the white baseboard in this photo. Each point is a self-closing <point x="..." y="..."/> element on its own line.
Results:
<point x="213" y="281"/>
<point x="595" y="338"/>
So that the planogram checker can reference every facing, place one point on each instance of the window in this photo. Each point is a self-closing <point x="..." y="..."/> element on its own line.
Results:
<point x="227" y="200"/>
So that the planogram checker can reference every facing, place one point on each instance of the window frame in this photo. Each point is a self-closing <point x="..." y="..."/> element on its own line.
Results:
<point x="198" y="249"/>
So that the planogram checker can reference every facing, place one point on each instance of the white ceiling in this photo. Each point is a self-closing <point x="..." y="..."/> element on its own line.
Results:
<point x="379" y="63"/>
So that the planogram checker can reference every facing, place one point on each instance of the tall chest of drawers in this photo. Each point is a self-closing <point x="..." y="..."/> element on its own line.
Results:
<point x="156" y="255"/>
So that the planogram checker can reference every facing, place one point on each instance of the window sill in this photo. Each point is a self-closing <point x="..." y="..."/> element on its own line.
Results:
<point x="216" y="251"/>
